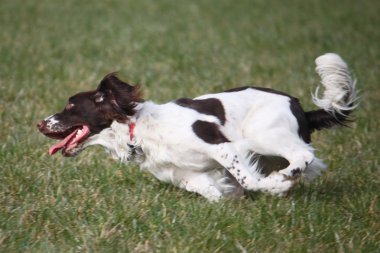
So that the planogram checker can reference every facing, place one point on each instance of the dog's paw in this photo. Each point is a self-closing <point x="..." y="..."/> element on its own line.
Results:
<point x="291" y="174"/>
<point x="213" y="196"/>
<point x="277" y="184"/>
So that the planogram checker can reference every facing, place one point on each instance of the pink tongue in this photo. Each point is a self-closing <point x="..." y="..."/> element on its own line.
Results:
<point x="53" y="149"/>
<point x="70" y="141"/>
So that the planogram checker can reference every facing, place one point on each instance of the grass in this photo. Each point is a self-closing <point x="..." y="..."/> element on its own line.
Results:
<point x="52" y="49"/>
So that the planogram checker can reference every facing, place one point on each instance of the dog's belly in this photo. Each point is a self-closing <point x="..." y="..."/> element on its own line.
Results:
<point x="179" y="166"/>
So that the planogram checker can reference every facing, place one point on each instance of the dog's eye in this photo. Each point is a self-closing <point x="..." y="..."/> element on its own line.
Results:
<point x="69" y="106"/>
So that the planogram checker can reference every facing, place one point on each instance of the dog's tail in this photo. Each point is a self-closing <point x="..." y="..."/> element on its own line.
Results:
<point x="339" y="95"/>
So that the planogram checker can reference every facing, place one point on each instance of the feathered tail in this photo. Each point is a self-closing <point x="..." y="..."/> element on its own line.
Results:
<point x="339" y="95"/>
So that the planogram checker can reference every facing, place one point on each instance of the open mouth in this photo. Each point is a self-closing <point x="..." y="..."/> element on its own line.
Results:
<point x="70" y="139"/>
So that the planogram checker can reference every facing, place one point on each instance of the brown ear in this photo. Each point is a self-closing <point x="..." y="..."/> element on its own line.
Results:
<point x="121" y="94"/>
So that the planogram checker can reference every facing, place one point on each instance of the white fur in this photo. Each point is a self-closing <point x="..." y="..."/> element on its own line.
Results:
<point x="257" y="124"/>
<point x="339" y="94"/>
<point x="51" y="121"/>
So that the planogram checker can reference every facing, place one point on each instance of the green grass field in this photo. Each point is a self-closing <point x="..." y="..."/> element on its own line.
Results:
<point x="52" y="49"/>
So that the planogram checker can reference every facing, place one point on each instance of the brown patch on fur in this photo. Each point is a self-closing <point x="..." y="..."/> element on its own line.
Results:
<point x="209" y="106"/>
<point x="209" y="132"/>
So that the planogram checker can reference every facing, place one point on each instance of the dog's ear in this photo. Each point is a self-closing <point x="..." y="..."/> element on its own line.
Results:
<point x="120" y="94"/>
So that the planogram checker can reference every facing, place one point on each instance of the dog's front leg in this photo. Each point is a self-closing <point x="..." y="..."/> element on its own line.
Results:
<point x="202" y="184"/>
<point x="248" y="175"/>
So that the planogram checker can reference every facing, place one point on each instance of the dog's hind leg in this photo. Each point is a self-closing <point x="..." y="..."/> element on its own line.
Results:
<point x="248" y="175"/>
<point x="285" y="144"/>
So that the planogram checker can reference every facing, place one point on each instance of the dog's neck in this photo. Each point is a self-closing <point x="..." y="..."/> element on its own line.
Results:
<point x="122" y="143"/>
<point x="120" y="139"/>
<point x="130" y="141"/>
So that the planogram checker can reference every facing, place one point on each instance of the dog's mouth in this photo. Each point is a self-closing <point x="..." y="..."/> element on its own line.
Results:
<point x="70" y="140"/>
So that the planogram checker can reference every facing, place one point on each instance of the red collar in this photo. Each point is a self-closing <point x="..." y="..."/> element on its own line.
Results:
<point x="131" y="130"/>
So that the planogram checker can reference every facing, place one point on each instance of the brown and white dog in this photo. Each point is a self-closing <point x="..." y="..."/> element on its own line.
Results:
<point x="215" y="144"/>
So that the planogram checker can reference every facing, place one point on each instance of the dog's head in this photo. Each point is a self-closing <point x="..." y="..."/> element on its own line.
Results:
<point x="88" y="113"/>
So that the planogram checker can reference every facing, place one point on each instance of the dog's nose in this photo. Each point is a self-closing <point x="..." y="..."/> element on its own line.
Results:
<point x="41" y="125"/>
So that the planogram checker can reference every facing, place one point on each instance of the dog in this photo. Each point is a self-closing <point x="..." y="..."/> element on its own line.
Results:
<point x="216" y="145"/>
